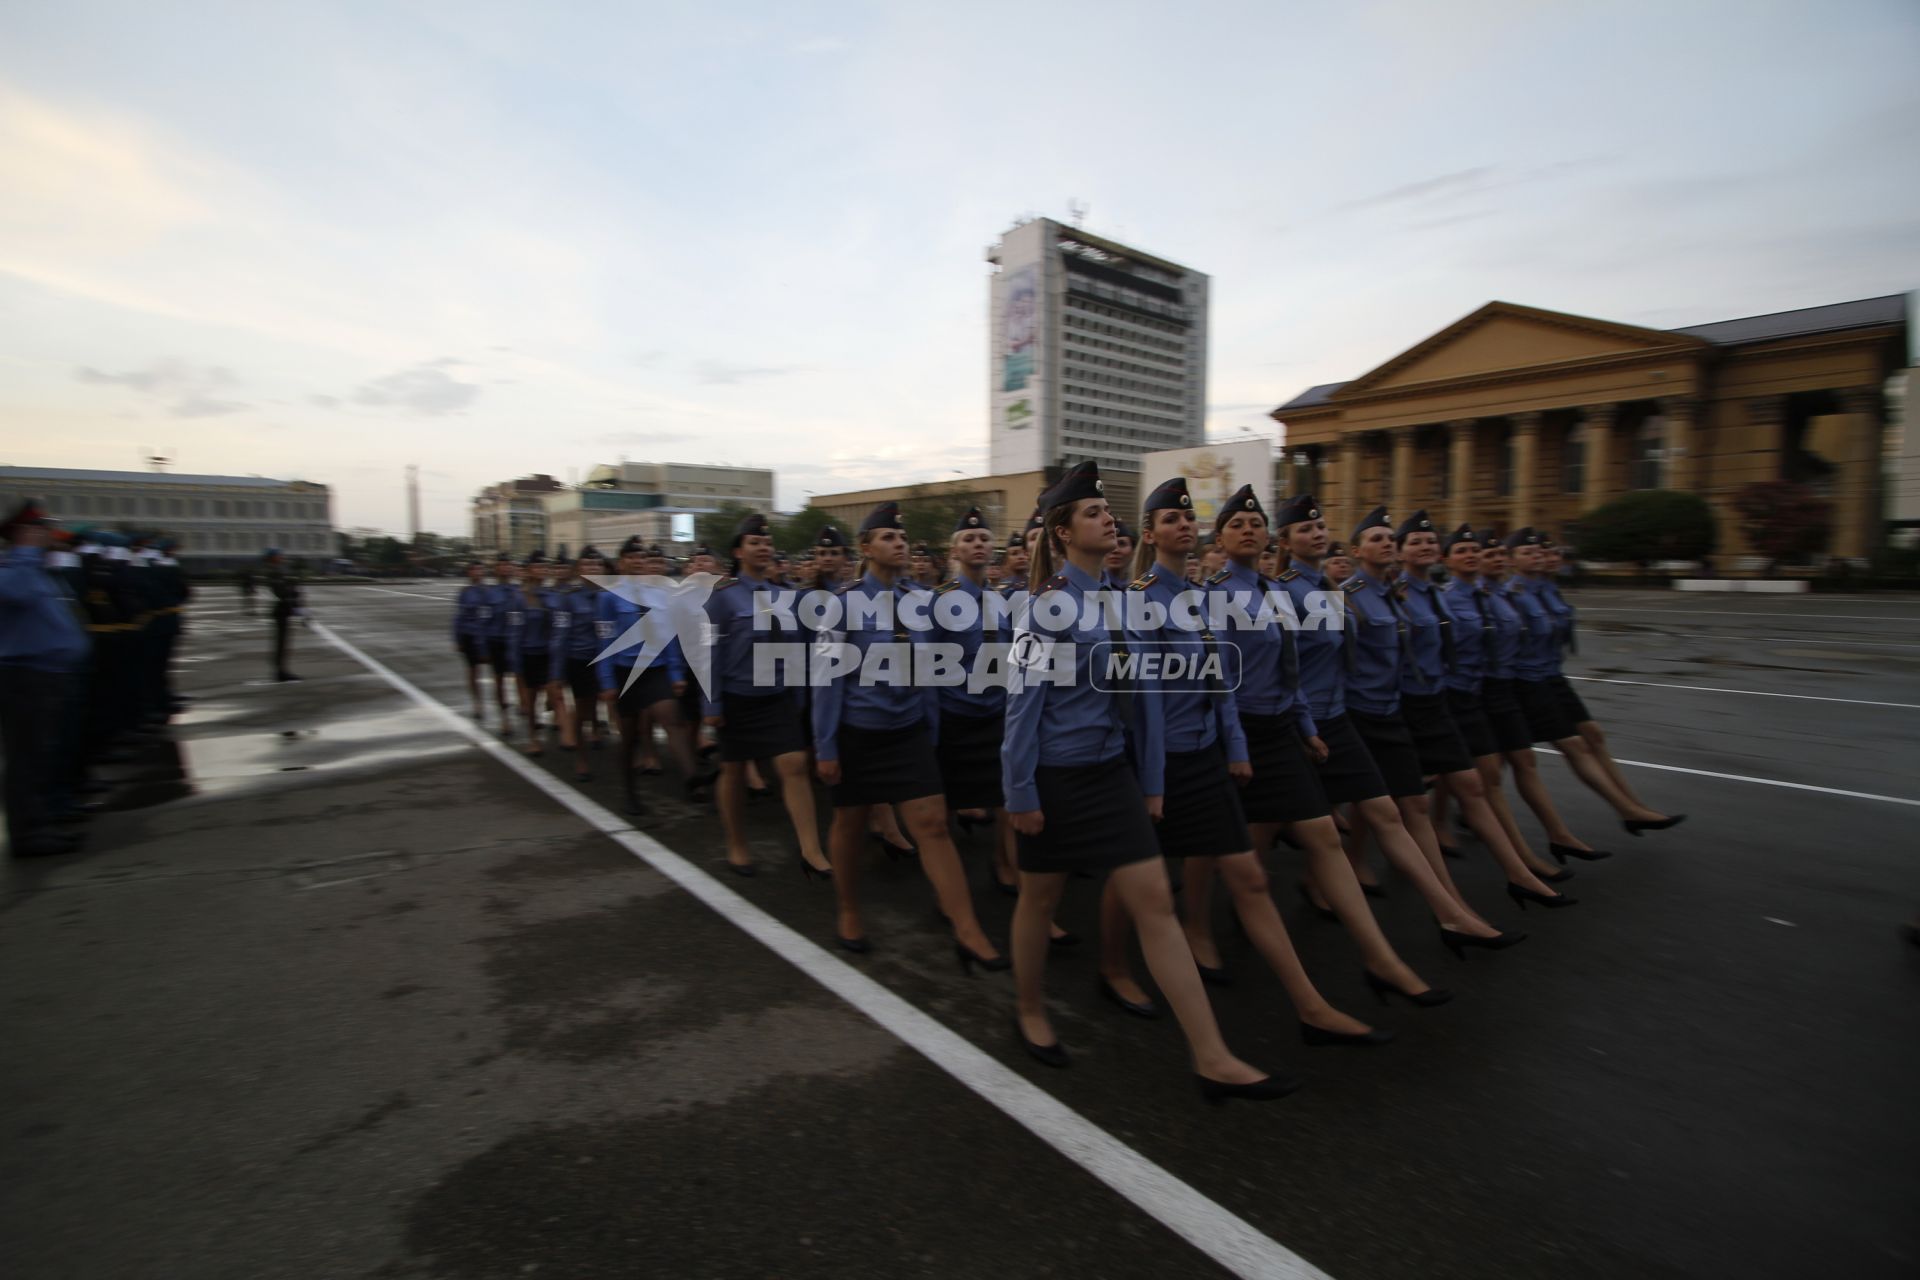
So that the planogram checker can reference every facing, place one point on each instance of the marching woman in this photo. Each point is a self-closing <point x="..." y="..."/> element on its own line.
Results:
<point x="472" y="610"/>
<point x="530" y="631"/>
<point x="1075" y="801"/>
<point x="1193" y="750"/>
<point x="873" y="741"/>
<point x="1014" y="587"/>
<point x="756" y="720"/>
<point x="1551" y="708"/>
<point x="1347" y="767"/>
<point x="1468" y="605"/>
<point x="500" y="604"/>
<point x="634" y="618"/>
<point x="972" y="721"/>
<point x="575" y="642"/>
<point x="1442" y="750"/>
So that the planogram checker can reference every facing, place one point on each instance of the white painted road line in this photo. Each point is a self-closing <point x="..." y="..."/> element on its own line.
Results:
<point x="1209" y="1227"/>
<point x="418" y="595"/>
<point x="1780" y="615"/>
<point x="1841" y="644"/>
<point x="1764" y="782"/>
<point x="1751" y="693"/>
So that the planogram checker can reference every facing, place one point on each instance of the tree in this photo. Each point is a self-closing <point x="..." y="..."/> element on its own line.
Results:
<point x="797" y="533"/>
<point x="715" y="529"/>
<point x="389" y="553"/>
<point x="930" y="516"/>
<point x="1640" y="528"/>
<point x="1782" y="520"/>
<point x="344" y="546"/>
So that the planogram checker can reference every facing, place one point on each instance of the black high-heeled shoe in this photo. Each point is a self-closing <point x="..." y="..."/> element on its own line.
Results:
<point x="1317" y="1036"/>
<point x="1325" y="913"/>
<point x="1561" y="852"/>
<point x="1524" y="895"/>
<point x="699" y="782"/>
<point x="1053" y="1055"/>
<point x="1065" y="940"/>
<point x="969" y="958"/>
<point x="1431" y="998"/>
<point x="893" y="851"/>
<point x="810" y="871"/>
<point x="1217" y="1093"/>
<point x="1373" y="890"/>
<point x="1552" y="877"/>
<point x="967" y="822"/>
<point x="1138" y="1008"/>
<point x="1011" y="890"/>
<point x="1214" y="977"/>
<point x="636" y="807"/>
<point x="859" y="946"/>
<point x="1634" y="826"/>
<point x="759" y="793"/>
<point x="1456" y="942"/>
<point x="747" y="869"/>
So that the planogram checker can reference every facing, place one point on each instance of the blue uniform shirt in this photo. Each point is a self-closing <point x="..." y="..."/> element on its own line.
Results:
<point x="1429" y="635"/>
<point x="1379" y="645"/>
<point x="41" y="627"/>
<point x="1188" y="713"/>
<point x="1269" y="655"/>
<point x="1466" y="604"/>
<point x="1503" y="639"/>
<point x="958" y="699"/>
<point x="1323" y="680"/>
<point x="730" y="610"/>
<point x="472" y="610"/>
<point x="871" y="704"/>
<point x="530" y="632"/>
<point x="1548" y="592"/>
<point x="1539" y="656"/>
<point x="574" y="635"/>
<point x="616" y="616"/>
<point x="1065" y="723"/>
<point x="501" y="597"/>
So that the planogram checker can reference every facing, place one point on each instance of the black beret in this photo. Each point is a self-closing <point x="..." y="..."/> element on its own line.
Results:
<point x="1018" y="538"/>
<point x="561" y="554"/>
<point x="753" y="526"/>
<point x="1033" y="522"/>
<point x="1294" y="510"/>
<point x="1242" y="500"/>
<point x="1523" y="538"/>
<point x="589" y="552"/>
<point x="1418" y="522"/>
<point x="1374" y="519"/>
<point x="1170" y="495"/>
<point x="1077" y="485"/>
<point x="632" y="546"/>
<point x="1464" y="534"/>
<point x="1337" y="549"/>
<point x="536" y="557"/>
<point x="830" y="536"/>
<point x="885" y="516"/>
<point x="970" y="519"/>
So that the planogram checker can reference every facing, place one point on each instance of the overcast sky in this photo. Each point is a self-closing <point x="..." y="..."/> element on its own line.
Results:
<point x="325" y="241"/>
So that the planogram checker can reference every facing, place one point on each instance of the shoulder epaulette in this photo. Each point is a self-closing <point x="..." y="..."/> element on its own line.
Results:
<point x="1218" y="576"/>
<point x="1141" y="583"/>
<point x="946" y="586"/>
<point x="1056" y="582"/>
<point x="1287" y="575"/>
<point x="1353" y="584"/>
<point x="724" y="583"/>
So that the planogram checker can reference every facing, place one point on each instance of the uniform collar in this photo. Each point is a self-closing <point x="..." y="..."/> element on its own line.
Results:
<point x="1371" y="581"/>
<point x="1078" y="577"/>
<point x="873" y="586"/>
<point x="1243" y="575"/>
<point x="1416" y="581"/>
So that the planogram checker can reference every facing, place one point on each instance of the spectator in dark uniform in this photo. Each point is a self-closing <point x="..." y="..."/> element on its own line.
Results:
<point x="286" y="600"/>
<point x="43" y="652"/>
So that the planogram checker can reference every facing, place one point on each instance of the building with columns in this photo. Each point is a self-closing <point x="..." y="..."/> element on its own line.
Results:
<point x="1515" y="416"/>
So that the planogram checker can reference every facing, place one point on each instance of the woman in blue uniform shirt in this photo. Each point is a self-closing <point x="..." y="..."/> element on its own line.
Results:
<point x="1442" y="749"/>
<point x="621" y="618"/>
<point x="499" y="612"/>
<point x="472" y="610"/>
<point x="1074" y="800"/>
<point x="1195" y="764"/>
<point x="529" y="637"/>
<point x="873" y="739"/>
<point x="756" y="721"/>
<point x="574" y="608"/>
<point x="1549" y="716"/>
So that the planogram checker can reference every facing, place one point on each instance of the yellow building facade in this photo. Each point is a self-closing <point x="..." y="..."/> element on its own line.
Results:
<point x="1518" y="416"/>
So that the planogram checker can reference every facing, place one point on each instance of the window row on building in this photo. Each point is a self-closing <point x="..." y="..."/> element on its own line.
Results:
<point x="1096" y="386"/>
<point x="110" y="506"/>
<point x="1107" y="322"/>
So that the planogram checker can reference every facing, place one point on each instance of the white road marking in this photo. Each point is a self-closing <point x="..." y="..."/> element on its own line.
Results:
<point x="1765" y="782"/>
<point x="1781" y="615"/>
<point x="1209" y="1227"/>
<point x="418" y="595"/>
<point x="1777" y="920"/>
<point x="1843" y="644"/>
<point x="1751" y="693"/>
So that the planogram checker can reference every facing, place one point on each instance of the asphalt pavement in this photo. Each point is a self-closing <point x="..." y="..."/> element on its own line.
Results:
<point x="334" y="991"/>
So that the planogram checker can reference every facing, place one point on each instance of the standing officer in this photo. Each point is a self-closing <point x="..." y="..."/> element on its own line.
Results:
<point x="1014" y="576"/>
<point x="286" y="599"/>
<point x="830" y="554"/>
<point x="43" y="651"/>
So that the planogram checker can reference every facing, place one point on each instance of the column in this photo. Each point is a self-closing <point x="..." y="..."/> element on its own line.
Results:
<point x="1759" y="456"/>
<point x="1348" y="509"/>
<point x="1460" y="439"/>
<point x="1599" y="463"/>
<point x="1856" y="493"/>
<point x="1681" y="414"/>
<point x="1526" y="461"/>
<point x="1400" y="501"/>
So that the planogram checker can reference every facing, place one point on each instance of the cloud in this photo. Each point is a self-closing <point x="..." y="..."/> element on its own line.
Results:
<point x="189" y="390"/>
<point x="720" y="373"/>
<point x="426" y="389"/>
<point x="324" y="402"/>
<point x="1461" y="180"/>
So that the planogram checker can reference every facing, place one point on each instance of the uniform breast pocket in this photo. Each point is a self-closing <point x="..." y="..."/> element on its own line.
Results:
<point x="561" y="621"/>
<point x="516" y="618"/>
<point x="604" y="630"/>
<point x="486" y="613"/>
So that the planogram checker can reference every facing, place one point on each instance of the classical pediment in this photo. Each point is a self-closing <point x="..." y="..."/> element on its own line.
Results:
<point x="1503" y="338"/>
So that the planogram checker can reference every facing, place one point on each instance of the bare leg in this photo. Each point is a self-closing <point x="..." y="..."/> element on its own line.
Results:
<point x="1003" y="852"/>
<point x="532" y="711"/>
<point x="1596" y="739"/>
<point x="1587" y="767"/>
<point x="473" y="687"/>
<point x="1417" y="866"/>
<point x="796" y="789"/>
<point x="886" y="825"/>
<point x="1415" y="816"/>
<point x="1247" y="881"/>
<point x="1333" y="875"/>
<point x="1442" y="796"/>
<point x="1116" y="931"/>
<point x="1040" y="896"/>
<point x="1354" y="839"/>
<point x="1143" y="888"/>
<point x="732" y="796"/>
<point x="1481" y="818"/>
<point x="582" y="717"/>
<point x="1533" y="789"/>
<point x="844" y="837"/>
<point x="1196" y="910"/>
<point x="666" y="714"/>
<point x="1489" y="769"/>
<point x="940" y="861"/>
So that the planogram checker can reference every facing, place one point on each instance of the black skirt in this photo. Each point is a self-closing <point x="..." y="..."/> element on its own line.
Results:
<point x="885" y="766"/>
<point x="1200" y="813"/>
<point x="534" y="665"/>
<point x="654" y="685"/>
<point x="1349" y="773"/>
<point x="1436" y="738"/>
<point x="583" y="681"/>
<point x="759" y="728"/>
<point x="1569" y="700"/>
<point x="1501" y="701"/>
<point x="969" y="756"/>
<point x="1471" y="719"/>
<point x="1547" y="718"/>
<point x="474" y="651"/>
<point x="1094" y="819"/>
<point x="497" y="656"/>
<point x="1390" y="743"/>
<point x="1285" y="786"/>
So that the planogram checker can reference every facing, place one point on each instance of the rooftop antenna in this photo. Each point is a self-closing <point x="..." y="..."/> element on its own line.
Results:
<point x="156" y="462"/>
<point x="1077" y="212"/>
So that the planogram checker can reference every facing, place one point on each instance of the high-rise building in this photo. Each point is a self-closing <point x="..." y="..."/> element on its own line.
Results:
<point x="1098" y="351"/>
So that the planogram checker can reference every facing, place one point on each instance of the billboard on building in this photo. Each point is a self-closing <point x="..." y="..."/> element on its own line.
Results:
<point x="1214" y="472"/>
<point x="1017" y="367"/>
